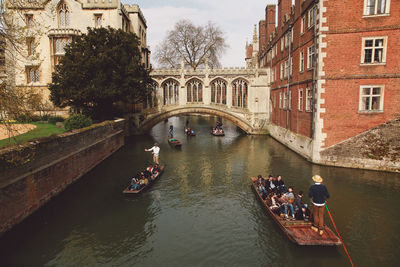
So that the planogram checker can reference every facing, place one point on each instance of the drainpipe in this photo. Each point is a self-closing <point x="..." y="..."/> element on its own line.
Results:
<point x="314" y="75"/>
<point x="288" y="77"/>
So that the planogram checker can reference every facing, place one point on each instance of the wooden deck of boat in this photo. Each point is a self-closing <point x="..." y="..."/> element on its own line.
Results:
<point x="175" y="142"/>
<point x="129" y="191"/>
<point x="299" y="231"/>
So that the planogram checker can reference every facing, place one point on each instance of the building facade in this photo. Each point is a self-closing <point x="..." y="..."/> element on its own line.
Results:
<point x="50" y="25"/>
<point x="333" y="71"/>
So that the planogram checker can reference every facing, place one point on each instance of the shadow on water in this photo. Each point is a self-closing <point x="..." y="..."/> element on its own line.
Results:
<point x="202" y="211"/>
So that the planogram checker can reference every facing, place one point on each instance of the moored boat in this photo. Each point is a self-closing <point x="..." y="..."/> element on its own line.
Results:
<point x="298" y="231"/>
<point x="190" y="132"/>
<point x="174" y="142"/>
<point x="129" y="191"/>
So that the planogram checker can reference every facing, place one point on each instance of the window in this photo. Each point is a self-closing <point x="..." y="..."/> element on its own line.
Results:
<point x="301" y="67"/>
<point x="194" y="91"/>
<point x="373" y="50"/>
<point x="282" y="42"/>
<point x="286" y="68"/>
<point x="97" y="20"/>
<point x="376" y="7"/>
<point x="310" y="57"/>
<point x="289" y="99"/>
<point x="287" y="36"/>
<point x="312" y="14"/>
<point x="218" y="91"/>
<point x="32" y="74"/>
<point x="291" y="67"/>
<point x="300" y="105"/>
<point x="285" y="100"/>
<point x="170" y="92"/>
<point x="371" y="98"/>
<point x="239" y="93"/>
<point x="308" y="99"/>
<point x="281" y="73"/>
<point x="63" y="15"/>
<point x="31" y="46"/>
<point x="303" y="24"/>
<point x="280" y="99"/>
<point x="273" y="52"/>
<point x="29" y="20"/>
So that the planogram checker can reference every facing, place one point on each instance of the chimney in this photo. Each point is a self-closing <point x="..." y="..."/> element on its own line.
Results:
<point x="270" y="12"/>
<point x="262" y="35"/>
<point x="284" y="7"/>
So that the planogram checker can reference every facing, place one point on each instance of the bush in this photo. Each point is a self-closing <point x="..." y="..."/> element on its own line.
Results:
<point x="77" y="121"/>
<point x="55" y="119"/>
<point x="27" y="117"/>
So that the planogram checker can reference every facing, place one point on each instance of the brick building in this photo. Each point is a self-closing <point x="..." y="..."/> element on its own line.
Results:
<point x="334" y="71"/>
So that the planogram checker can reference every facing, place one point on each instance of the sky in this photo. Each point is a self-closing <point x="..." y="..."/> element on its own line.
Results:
<point x="236" y="18"/>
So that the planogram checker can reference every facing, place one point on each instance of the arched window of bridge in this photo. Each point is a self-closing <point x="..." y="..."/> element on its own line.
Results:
<point x="194" y="91"/>
<point x="239" y="93"/>
<point x="170" y="92"/>
<point x="218" y="91"/>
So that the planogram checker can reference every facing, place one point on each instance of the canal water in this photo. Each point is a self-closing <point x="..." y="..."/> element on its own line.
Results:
<point x="202" y="212"/>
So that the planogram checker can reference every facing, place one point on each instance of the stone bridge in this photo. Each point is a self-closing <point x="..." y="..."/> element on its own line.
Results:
<point x="240" y="95"/>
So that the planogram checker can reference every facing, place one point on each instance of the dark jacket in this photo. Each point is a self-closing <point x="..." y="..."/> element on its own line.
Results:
<point x="318" y="193"/>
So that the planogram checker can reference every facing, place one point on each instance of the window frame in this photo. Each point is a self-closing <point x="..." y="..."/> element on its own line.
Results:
<point x="303" y="25"/>
<point x="312" y="16"/>
<point x="29" y="20"/>
<point x="301" y="59"/>
<point x="300" y="100"/>
<point x="363" y="48"/>
<point x="371" y="95"/>
<point x="36" y="74"/>
<point x="98" y="16"/>
<point x="376" y="14"/>
<point x="309" y="97"/>
<point x="310" y="63"/>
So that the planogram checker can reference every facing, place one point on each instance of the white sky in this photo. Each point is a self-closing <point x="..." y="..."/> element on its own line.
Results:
<point x="235" y="17"/>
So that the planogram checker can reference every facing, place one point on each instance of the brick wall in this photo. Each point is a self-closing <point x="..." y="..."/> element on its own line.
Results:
<point x="33" y="174"/>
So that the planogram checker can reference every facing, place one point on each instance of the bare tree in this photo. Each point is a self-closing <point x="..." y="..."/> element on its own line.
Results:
<point x="195" y="44"/>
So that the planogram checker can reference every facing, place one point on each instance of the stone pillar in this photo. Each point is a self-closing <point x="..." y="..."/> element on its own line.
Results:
<point x="229" y="95"/>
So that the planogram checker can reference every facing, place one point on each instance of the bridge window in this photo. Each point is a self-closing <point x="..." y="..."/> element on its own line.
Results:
<point x="239" y="93"/>
<point x="194" y="91"/>
<point x="218" y="92"/>
<point x="170" y="92"/>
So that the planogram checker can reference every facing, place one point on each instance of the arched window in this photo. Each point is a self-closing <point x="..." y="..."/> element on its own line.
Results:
<point x="239" y="93"/>
<point x="194" y="89"/>
<point x="170" y="92"/>
<point x="63" y="15"/>
<point x="218" y="91"/>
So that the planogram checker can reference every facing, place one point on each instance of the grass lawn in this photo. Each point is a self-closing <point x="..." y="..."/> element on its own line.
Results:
<point x="41" y="130"/>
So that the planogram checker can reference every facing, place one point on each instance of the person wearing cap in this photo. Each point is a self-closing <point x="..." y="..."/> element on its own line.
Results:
<point x="319" y="193"/>
<point x="156" y="152"/>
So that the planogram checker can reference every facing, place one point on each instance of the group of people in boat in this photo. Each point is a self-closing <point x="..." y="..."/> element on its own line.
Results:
<point x="282" y="199"/>
<point x="218" y="128"/>
<point x="145" y="177"/>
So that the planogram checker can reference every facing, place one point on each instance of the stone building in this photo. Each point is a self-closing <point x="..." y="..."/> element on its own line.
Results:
<point x="334" y="73"/>
<point x="51" y="24"/>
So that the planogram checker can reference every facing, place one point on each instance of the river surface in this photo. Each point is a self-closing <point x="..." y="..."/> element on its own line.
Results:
<point x="202" y="211"/>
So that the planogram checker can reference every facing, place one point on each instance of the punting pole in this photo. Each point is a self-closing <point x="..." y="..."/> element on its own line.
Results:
<point x="334" y="225"/>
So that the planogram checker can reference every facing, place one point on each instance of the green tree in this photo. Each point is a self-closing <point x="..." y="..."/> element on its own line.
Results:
<point x="99" y="70"/>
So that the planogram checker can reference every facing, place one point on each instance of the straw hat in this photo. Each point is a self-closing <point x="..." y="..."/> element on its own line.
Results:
<point x="317" y="178"/>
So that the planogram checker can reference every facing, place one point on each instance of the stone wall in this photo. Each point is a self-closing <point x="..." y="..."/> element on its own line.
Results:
<point x="30" y="175"/>
<point x="376" y="149"/>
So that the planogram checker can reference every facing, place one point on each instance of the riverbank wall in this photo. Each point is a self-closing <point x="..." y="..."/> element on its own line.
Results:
<point x="376" y="149"/>
<point x="33" y="173"/>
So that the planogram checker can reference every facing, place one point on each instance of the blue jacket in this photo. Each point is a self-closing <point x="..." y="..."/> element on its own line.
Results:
<point x="318" y="193"/>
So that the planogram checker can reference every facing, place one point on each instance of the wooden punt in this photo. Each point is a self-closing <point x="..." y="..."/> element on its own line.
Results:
<point x="129" y="191"/>
<point x="215" y="132"/>
<point x="174" y="142"/>
<point x="299" y="231"/>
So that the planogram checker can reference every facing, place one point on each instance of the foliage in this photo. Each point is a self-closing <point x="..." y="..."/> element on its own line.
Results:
<point x="77" y="121"/>
<point x="42" y="130"/>
<point x="195" y="44"/>
<point x="100" y="69"/>
<point x="55" y="119"/>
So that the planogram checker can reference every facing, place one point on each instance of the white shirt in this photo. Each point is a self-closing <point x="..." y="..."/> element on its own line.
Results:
<point x="155" y="149"/>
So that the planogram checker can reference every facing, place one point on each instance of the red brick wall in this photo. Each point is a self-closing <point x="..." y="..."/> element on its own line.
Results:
<point x="24" y="191"/>
<point x="344" y="74"/>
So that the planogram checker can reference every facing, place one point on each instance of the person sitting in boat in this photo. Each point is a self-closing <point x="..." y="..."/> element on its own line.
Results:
<point x="134" y="184"/>
<point x="300" y="209"/>
<point x="272" y="186"/>
<point x="280" y="184"/>
<point x="275" y="205"/>
<point x="288" y="199"/>
<point x="192" y="132"/>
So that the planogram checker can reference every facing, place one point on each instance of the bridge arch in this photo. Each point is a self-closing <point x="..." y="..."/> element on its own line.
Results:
<point x="148" y="123"/>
